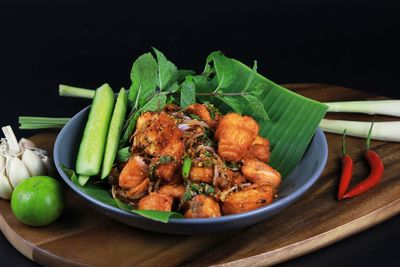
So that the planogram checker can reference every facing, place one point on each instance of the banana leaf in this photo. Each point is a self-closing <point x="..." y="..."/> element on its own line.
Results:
<point x="293" y="119"/>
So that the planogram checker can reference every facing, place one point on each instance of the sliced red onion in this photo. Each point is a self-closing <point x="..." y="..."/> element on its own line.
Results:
<point x="176" y="114"/>
<point x="216" y="175"/>
<point x="196" y="122"/>
<point x="209" y="148"/>
<point x="183" y="127"/>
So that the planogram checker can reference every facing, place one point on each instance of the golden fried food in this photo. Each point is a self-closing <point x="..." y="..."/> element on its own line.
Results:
<point x="134" y="176"/>
<point x="174" y="190"/>
<point x="235" y="134"/>
<point x="201" y="174"/>
<point x="155" y="132"/>
<point x="260" y="173"/>
<point x="159" y="136"/>
<point x="225" y="170"/>
<point x="201" y="206"/>
<point x="249" y="198"/>
<point x="156" y="201"/>
<point x="228" y="178"/>
<point x="204" y="114"/>
<point x="259" y="149"/>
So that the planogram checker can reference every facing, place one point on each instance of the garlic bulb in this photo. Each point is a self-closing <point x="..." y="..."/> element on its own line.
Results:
<point x="18" y="161"/>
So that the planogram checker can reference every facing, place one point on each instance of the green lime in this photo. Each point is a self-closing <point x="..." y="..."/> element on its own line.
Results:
<point x="38" y="200"/>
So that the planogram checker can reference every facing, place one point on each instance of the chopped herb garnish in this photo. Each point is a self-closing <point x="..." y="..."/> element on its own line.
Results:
<point x="197" y="189"/>
<point x="232" y="165"/>
<point x="195" y="117"/>
<point x="162" y="160"/>
<point x="213" y="110"/>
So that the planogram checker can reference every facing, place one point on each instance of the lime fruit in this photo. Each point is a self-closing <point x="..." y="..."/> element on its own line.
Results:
<point x="38" y="200"/>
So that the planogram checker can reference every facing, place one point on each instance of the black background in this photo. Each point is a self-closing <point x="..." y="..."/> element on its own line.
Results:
<point x="83" y="43"/>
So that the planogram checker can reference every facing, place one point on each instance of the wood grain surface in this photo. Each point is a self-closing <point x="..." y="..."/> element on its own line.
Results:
<point x="82" y="237"/>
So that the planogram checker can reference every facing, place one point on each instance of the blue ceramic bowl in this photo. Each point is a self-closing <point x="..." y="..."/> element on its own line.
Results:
<point x="291" y="189"/>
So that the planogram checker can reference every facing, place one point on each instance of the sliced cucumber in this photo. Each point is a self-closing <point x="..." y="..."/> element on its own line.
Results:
<point x="114" y="132"/>
<point x="93" y="142"/>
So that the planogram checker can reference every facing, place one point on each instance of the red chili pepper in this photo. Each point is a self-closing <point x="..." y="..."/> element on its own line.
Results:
<point x="347" y="170"/>
<point x="375" y="175"/>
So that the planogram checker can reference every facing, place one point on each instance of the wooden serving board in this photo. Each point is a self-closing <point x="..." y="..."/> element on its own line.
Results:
<point x="84" y="237"/>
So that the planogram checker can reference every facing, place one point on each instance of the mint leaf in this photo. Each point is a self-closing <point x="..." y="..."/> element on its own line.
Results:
<point x="167" y="71"/>
<point x="143" y="76"/>
<point x="156" y="103"/>
<point x="188" y="93"/>
<point x="257" y="107"/>
<point x="251" y="77"/>
<point x="234" y="102"/>
<point x="182" y="73"/>
<point x="224" y="69"/>
<point x="123" y="154"/>
<point x="173" y="88"/>
<point x="129" y="130"/>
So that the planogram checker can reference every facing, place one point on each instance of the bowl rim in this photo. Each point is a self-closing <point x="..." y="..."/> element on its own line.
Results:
<point x="281" y="202"/>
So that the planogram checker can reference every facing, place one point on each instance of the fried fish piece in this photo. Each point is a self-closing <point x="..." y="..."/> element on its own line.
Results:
<point x="155" y="132"/>
<point x="162" y="199"/>
<point x="134" y="177"/>
<point x="235" y="134"/>
<point x="174" y="190"/>
<point x="204" y="114"/>
<point x="259" y="149"/>
<point x="201" y="174"/>
<point x="158" y="136"/>
<point x="201" y="206"/>
<point x="260" y="173"/>
<point x="156" y="201"/>
<point x="249" y="198"/>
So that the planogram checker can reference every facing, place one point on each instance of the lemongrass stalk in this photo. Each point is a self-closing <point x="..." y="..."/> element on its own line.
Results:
<point x="40" y="126"/>
<point x="32" y="123"/>
<point x="383" y="107"/>
<point x="43" y="120"/>
<point x="71" y="91"/>
<point x="385" y="131"/>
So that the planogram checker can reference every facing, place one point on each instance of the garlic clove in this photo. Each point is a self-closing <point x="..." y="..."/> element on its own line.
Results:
<point x="16" y="171"/>
<point x="5" y="186"/>
<point x="2" y="162"/>
<point x="49" y="165"/>
<point x="26" y="144"/>
<point x="33" y="163"/>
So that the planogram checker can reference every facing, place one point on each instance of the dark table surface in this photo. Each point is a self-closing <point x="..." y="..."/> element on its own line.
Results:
<point x="347" y="43"/>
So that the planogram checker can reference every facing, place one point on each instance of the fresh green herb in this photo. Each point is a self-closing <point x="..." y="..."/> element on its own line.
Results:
<point x="143" y="77"/>
<point x="188" y="195"/>
<point x="167" y="72"/>
<point x="209" y="190"/>
<point x="195" y="117"/>
<point x="212" y="110"/>
<point x="162" y="160"/>
<point x="182" y="74"/>
<point x="123" y="154"/>
<point x="187" y="164"/>
<point x="188" y="92"/>
<point x="193" y="189"/>
<point x="232" y="165"/>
